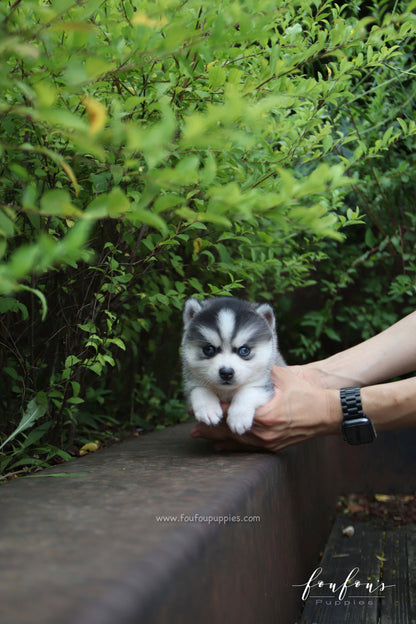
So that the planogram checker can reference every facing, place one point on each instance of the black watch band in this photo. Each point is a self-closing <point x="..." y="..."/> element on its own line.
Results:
<point x="356" y="427"/>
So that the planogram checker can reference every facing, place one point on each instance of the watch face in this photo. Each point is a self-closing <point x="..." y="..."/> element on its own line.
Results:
<point x="358" y="431"/>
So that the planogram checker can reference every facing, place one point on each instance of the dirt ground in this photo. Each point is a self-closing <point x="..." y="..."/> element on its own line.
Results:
<point x="382" y="509"/>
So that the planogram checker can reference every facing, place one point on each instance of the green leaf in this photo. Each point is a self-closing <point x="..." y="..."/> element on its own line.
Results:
<point x="94" y="66"/>
<point x="3" y="246"/>
<point x="118" y="342"/>
<point x="71" y="360"/>
<point x="6" y="225"/>
<point x="75" y="388"/>
<point x="33" y="412"/>
<point x="56" y="475"/>
<point x="117" y="203"/>
<point x="10" y="304"/>
<point x="65" y="119"/>
<point x="332" y="334"/>
<point x="39" y="294"/>
<point x="75" y="400"/>
<point x="216" y="76"/>
<point x="141" y="215"/>
<point x="58" y="202"/>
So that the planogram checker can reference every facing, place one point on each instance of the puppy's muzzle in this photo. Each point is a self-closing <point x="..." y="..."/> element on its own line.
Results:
<point x="226" y="374"/>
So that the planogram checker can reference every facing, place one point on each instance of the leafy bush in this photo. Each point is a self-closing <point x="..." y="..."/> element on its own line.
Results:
<point x="154" y="150"/>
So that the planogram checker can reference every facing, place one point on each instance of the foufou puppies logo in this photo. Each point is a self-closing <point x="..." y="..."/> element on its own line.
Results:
<point x="348" y="589"/>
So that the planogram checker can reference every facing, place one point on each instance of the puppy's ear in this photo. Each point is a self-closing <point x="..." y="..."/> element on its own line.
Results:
<point x="192" y="307"/>
<point x="266" y="311"/>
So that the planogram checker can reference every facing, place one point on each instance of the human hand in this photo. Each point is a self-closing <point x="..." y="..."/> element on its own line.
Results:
<point x="299" y="410"/>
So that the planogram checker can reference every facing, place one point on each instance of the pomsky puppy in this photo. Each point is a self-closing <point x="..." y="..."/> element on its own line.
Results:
<point x="228" y="349"/>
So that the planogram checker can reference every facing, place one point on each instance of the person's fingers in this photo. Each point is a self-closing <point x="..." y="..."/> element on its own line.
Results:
<point x="235" y="446"/>
<point x="265" y="415"/>
<point x="225" y="437"/>
<point x="214" y="432"/>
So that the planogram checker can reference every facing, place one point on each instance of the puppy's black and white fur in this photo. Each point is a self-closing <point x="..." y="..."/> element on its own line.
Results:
<point x="228" y="349"/>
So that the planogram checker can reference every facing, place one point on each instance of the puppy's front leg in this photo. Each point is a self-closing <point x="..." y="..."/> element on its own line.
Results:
<point x="206" y="406"/>
<point x="243" y="406"/>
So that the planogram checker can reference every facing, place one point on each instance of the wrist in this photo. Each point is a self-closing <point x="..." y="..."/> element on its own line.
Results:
<point x="334" y="412"/>
<point x="356" y="427"/>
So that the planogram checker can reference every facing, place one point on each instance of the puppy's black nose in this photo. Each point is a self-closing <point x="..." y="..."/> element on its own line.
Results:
<point x="226" y="373"/>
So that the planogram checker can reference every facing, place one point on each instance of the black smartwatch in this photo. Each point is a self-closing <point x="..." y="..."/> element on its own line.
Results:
<point x="356" y="427"/>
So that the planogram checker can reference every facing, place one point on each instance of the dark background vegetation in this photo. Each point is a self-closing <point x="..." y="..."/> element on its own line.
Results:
<point x="152" y="151"/>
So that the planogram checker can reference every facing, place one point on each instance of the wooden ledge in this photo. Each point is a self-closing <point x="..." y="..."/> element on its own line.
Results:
<point x="162" y="529"/>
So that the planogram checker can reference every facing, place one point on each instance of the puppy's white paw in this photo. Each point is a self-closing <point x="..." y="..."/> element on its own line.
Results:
<point x="239" y="421"/>
<point x="209" y="414"/>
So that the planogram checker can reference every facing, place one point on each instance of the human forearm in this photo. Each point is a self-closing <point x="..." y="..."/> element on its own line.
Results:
<point x="389" y="354"/>
<point x="391" y="405"/>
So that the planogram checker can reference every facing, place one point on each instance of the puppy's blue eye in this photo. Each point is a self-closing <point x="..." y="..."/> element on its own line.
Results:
<point x="209" y="350"/>
<point x="244" y="351"/>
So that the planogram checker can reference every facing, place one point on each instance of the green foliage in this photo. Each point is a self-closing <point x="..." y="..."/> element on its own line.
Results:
<point x="155" y="150"/>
